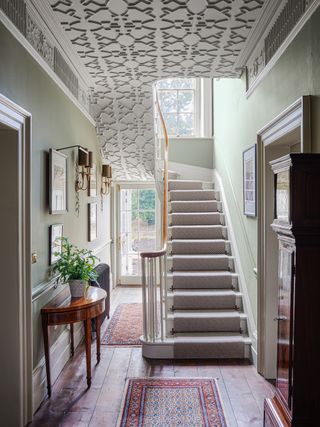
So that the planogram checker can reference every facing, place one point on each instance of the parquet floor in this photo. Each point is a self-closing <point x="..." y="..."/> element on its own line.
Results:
<point x="242" y="389"/>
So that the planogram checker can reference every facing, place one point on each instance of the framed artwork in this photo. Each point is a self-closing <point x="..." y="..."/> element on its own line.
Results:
<point x="92" y="190"/>
<point x="58" y="182"/>
<point x="55" y="234"/>
<point x="92" y="221"/>
<point x="250" y="182"/>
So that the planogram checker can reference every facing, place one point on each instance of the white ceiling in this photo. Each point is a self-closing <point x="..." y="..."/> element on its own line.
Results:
<point x="128" y="44"/>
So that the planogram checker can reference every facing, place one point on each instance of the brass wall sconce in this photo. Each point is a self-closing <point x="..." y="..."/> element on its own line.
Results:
<point x="106" y="179"/>
<point x="85" y="163"/>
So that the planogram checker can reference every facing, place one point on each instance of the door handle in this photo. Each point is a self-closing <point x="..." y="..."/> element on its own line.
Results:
<point x="280" y="318"/>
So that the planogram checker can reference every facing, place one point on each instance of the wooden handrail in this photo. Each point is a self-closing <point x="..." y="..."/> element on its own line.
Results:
<point x="165" y="180"/>
<point x="153" y="254"/>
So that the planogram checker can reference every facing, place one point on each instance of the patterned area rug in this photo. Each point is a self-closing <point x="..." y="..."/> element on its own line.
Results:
<point x="125" y="327"/>
<point x="172" y="402"/>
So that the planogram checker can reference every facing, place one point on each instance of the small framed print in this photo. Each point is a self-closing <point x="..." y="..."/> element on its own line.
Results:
<point x="58" y="182"/>
<point x="249" y="182"/>
<point x="92" y="189"/>
<point x="55" y="234"/>
<point x="92" y="221"/>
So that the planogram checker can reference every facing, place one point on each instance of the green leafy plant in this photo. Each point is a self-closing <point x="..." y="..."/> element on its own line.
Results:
<point x="75" y="263"/>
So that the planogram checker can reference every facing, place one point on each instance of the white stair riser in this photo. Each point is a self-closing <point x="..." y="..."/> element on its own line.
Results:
<point x="184" y="185"/>
<point x="186" y="195"/>
<point x="197" y="247"/>
<point x="214" y="232"/>
<point x="212" y="218"/>
<point x="192" y="206"/>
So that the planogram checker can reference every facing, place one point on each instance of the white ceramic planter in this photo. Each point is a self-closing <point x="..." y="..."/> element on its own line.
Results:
<point x="78" y="288"/>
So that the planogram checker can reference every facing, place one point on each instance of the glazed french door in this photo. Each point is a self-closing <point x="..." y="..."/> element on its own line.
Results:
<point x="136" y="230"/>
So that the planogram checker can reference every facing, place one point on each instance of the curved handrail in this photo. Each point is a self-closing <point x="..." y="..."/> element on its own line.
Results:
<point x="165" y="178"/>
<point x="165" y="188"/>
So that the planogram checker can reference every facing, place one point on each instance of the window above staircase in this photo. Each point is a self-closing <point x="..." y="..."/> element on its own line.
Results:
<point x="186" y="104"/>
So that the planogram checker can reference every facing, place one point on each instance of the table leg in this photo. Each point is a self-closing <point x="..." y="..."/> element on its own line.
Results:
<point x="71" y="340"/>
<point x="87" y="327"/>
<point x="98" y="328"/>
<point x="46" y="351"/>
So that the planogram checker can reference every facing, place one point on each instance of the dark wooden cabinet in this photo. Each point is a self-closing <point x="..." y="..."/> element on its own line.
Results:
<point x="297" y="223"/>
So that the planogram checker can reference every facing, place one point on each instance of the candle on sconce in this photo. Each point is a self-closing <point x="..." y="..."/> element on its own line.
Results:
<point x="90" y="163"/>
<point x="106" y="171"/>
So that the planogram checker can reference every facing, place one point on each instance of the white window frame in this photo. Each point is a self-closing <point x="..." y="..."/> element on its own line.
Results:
<point x="202" y="109"/>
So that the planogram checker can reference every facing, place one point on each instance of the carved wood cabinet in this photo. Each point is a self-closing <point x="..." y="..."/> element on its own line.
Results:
<point x="297" y="225"/>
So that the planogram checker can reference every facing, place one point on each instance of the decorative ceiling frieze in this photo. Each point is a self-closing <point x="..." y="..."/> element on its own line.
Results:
<point x="126" y="45"/>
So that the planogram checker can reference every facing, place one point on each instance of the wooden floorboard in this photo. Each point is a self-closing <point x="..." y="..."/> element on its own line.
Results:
<point x="241" y="388"/>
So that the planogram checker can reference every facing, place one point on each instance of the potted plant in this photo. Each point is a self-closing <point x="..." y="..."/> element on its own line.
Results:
<point x="76" y="267"/>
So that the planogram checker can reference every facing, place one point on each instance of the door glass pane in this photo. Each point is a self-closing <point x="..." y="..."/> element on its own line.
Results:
<point x="137" y="228"/>
<point x="284" y="320"/>
<point x="147" y="200"/>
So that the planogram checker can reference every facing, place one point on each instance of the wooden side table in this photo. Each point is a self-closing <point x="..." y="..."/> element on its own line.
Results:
<point x="64" y="310"/>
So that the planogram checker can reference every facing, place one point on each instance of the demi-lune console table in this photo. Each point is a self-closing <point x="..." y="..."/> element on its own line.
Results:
<point x="63" y="310"/>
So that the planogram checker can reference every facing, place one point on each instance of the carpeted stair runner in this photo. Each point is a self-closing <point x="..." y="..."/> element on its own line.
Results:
<point x="206" y="317"/>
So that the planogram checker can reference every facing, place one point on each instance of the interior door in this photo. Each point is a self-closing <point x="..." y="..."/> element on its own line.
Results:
<point x="136" y="230"/>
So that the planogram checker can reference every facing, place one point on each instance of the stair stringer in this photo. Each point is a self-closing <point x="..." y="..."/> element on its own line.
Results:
<point x="251" y="324"/>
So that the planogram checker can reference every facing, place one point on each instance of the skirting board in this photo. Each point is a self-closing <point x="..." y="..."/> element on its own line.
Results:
<point x="252" y="329"/>
<point x="191" y="172"/>
<point x="59" y="356"/>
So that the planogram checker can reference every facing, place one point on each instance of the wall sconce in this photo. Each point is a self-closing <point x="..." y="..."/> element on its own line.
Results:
<point x="106" y="179"/>
<point x="85" y="162"/>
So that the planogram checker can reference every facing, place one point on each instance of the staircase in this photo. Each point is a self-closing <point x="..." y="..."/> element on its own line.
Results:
<point x="205" y="306"/>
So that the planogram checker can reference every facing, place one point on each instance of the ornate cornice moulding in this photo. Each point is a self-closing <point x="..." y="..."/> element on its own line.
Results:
<point x="30" y="28"/>
<point x="272" y="34"/>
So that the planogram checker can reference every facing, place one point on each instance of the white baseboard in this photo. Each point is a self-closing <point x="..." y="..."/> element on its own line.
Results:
<point x="191" y="172"/>
<point x="254" y="348"/>
<point x="252" y="329"/>
<point x="59" y="356"/>
<point x="158" y="350"/>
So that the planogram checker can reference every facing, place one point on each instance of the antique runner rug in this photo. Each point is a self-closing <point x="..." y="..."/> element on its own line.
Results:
<point x="125" y="327"/>
<point x="171" y="402"/>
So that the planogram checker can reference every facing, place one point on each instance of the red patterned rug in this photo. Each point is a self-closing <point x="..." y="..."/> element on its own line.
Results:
<point x="171" y="402"/>
<point x="125" y="327"/>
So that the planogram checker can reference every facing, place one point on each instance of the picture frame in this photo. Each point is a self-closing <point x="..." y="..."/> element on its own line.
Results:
<point x="92" y="221"/>
<point x="55" y="234"/>
<point x="58" y="182"/>
<point x="92" y="188"/>
<point x="249" y="159"/>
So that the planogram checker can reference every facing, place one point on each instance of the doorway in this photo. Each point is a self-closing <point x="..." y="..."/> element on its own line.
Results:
<point x="136" y="229"/>
<point x="15" y="255"/>
<point x="288" y="132"/>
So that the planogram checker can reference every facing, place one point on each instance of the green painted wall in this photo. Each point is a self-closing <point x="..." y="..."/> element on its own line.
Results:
<point x="192" y="151"/>
<point x="56" y="122"/>
<point x="237" y="120"/>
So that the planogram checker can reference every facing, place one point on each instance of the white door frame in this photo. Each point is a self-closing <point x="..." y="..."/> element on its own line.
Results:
<point x="119" y="186"/>
<point x="19" y="119"/>
<point x="296" y="116"/>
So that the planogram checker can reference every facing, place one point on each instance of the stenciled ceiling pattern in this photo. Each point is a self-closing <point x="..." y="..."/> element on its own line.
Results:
<point x="128" y="44"/>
